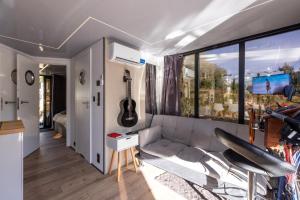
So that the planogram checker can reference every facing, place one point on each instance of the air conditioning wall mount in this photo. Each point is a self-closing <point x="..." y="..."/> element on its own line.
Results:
<point x="122" y="54"/>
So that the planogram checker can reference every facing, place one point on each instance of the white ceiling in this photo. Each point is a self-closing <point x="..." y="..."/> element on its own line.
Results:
<point x="66" y="27"/>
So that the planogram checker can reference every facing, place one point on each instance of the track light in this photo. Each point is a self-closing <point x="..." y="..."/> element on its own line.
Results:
<point x="41" y="47"/>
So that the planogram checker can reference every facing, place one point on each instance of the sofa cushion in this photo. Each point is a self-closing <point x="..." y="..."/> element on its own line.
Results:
<point x="163" y="148"/>
<point x="202" y="132"/>
<point x="216" y="165"/>
<point x="183" y="130"/>
<point x="168" y="127"/>
<point x="157" y="120"/>
<point x="202" y="162"/>
<point x="149" y="135"/>
<point x="215" y="145"/>
<point x="191" y="154"/>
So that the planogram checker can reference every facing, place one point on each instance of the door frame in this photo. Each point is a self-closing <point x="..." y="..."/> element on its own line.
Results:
<point x="70" y="91"/>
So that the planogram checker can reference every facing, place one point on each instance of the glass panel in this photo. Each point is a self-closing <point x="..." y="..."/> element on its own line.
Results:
<point x="265" y="57"/>
<point x="188" y="86"/>
<point x="219" y="77"/>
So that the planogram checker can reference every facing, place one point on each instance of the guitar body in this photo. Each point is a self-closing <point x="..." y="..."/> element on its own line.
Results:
<point x="127" y="118"/>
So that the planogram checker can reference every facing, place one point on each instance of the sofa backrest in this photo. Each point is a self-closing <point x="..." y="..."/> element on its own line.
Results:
<point x="200" y="132"/>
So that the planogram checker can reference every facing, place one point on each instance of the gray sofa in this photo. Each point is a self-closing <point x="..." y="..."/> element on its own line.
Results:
<point x="187" y="147"/>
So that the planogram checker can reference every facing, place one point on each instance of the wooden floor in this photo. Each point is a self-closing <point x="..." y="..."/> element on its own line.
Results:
<point x="57" y="172"/>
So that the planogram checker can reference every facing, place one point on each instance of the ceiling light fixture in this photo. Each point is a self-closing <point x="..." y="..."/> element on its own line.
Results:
<point x="174" y="34"/>
<point x="185" y="41"/>
<point x="41" y="47"/>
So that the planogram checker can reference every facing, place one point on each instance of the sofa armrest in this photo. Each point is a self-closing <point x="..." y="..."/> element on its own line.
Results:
<point x="149" y="135"/>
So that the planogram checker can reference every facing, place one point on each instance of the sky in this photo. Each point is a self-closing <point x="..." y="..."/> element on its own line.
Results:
<point x="265" y="54"/>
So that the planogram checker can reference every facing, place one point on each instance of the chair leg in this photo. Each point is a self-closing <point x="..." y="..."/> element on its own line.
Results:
<point x="126" y="158"/>
<point x="133" y="159"/>
<point x="111" y="162"/>
<point x="119" y="166"/>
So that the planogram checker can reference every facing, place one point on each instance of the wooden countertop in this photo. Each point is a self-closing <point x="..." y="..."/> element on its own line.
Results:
<point x="10" y="127"/>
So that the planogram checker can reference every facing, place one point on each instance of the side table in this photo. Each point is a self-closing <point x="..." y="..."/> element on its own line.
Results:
<point x="121" y="144"/>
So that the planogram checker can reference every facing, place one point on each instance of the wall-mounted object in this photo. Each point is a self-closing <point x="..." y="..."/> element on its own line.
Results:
<point x="128" y="116"/>
<point x="82" y="75"/>
<point x="13" y="76"/>
<point x="125" y="55"/>
<point x="29" y="77"/>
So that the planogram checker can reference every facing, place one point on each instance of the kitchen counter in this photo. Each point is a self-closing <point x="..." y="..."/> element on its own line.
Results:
<point x="11" y="156"/>
<point x="11" y="127"/>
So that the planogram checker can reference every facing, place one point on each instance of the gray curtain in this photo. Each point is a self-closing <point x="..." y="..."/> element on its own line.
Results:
<point x="151" y="106"/>
<point x="170" y="103"/>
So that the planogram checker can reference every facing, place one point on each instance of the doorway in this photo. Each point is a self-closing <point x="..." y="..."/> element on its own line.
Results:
<point x="52" y="99"/>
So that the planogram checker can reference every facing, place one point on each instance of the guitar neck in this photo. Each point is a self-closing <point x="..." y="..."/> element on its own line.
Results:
<point x="129" y="90"/>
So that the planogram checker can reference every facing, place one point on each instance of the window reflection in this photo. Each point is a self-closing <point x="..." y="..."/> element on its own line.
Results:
<point x="188" y="86"/>
<point x="218" y="75"/>
<point x="279" y="54"/>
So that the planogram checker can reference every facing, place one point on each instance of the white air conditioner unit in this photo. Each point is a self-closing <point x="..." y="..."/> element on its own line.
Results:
<point x="122" y="54"/>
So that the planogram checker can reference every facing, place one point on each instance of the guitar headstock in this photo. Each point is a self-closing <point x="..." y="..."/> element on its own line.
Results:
<point x="127" y="76"/>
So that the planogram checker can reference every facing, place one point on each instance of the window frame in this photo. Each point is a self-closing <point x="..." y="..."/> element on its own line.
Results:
<point x="241" y="43"/>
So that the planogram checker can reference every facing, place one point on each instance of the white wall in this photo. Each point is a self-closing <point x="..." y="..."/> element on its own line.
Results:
<point x="115" y="91"/>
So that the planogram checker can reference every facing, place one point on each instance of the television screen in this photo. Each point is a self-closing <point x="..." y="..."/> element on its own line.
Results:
<point x="273" y="84"/>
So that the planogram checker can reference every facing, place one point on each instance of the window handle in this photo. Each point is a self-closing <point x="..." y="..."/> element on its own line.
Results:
<point x="98" y="99"/>
<point x="1" y="104"/>
<point x="10" y="102"/>
<point x="22" y="102"/>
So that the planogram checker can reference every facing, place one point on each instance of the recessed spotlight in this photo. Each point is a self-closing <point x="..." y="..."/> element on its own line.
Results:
<point x="41" y="47"/>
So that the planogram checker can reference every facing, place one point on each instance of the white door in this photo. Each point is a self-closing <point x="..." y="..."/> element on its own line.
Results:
<point x="8" y="87"/>
<point x="28" y="98"/>
<point x="82" y="101"/>
<point x="97" y="107"/>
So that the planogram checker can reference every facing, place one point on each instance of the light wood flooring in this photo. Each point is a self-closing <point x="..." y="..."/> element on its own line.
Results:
<point x="57" y="172"/>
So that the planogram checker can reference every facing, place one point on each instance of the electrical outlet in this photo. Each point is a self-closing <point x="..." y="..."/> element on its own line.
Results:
<point x="98" y="158"/>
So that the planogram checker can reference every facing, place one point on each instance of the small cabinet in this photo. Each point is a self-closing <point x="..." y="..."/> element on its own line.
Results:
<point x="11" y="156"/>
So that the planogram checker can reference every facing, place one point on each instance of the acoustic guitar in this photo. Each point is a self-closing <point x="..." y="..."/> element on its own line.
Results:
<point x="128" y="116"/>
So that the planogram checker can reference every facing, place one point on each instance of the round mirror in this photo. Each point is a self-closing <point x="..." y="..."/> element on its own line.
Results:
<point x="29" y="77"/>
<point x="13" y="76"/>
<point x="82" y="77"/>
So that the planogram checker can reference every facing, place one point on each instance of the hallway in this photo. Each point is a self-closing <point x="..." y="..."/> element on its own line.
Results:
<point x="57" y="172"/>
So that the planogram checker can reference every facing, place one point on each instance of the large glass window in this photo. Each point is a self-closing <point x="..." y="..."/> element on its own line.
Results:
<point x="266" y="57"/>
<point x="188" y="86"/>
<point x="219" y="79"/>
